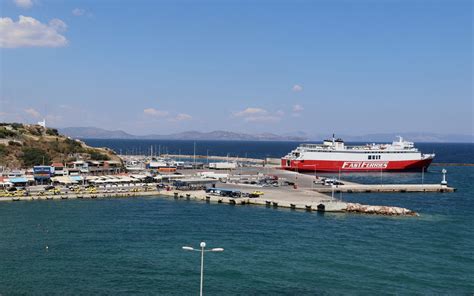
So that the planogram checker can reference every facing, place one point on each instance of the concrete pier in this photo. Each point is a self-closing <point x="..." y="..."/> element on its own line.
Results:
<point x="313" y="204"/>
<point x="386" y="188"/>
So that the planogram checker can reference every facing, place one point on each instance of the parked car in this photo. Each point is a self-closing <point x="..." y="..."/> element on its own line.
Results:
<point x="332" y="182"/>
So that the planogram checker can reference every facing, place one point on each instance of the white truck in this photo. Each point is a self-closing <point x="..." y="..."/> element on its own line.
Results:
<point x="223" y="165"/>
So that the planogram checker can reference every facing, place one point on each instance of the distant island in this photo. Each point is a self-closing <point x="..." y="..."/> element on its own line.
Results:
<point x="99" y="133"/>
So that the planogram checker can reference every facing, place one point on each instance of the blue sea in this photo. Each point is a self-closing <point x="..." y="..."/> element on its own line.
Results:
<point x="133" y="246"/>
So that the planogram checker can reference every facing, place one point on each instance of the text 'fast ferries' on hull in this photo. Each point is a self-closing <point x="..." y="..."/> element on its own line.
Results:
<point x="333" y="156"/>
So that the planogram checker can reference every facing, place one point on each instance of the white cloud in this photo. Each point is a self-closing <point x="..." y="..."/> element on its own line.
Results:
<point x="297" y="108"/>
<point x="183" y="117"/>
<point x="29" y="32"/>
<point x="155" y="113"/>
<point x="32" y="112"/>
<point x="23" y="3"/>
<point x="297" y="88"/>
<point x="78" y="11"/>
<point x="252" y="114"/>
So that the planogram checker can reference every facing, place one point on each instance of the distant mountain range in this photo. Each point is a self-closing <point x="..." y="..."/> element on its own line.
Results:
<point x="99" y="133"/>
<point x="417" y="137"/>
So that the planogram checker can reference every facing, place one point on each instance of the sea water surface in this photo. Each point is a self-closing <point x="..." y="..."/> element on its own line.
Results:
<point x="133" y="246"/>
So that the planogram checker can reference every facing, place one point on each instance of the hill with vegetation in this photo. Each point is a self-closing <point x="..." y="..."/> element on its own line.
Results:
<point x="25" y="145"/>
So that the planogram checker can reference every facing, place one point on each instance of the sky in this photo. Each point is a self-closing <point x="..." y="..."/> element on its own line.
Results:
<point x="286" y="67"/>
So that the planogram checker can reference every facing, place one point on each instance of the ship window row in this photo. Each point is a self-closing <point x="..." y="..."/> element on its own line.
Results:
<point x="374" y="156"/>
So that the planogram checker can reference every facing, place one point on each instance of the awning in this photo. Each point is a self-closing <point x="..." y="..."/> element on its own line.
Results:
<point x="18" y="180"/>
<point x="63" y="180"/>
<point x="125" y="179"/>
<point x="77" y="178"/>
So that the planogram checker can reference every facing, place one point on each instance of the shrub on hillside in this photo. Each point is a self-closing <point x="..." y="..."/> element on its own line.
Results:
<point x="16" y="125"/>
<point x="36" y="132"/>
<point x="5" y="133"/>
<point x="73" y="146"/>
<point x="34" y="156"/>
<point x="3" y="150"/>
<point x="52" y="132"/>
<point x="98" y="156"/>
<point x="14" y="143"/>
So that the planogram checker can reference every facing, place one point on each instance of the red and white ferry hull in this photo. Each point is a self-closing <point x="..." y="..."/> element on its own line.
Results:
<point x="355" y="166"/>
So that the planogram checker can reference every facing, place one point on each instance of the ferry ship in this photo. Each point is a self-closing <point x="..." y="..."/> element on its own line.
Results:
<point x="333" y="155"/>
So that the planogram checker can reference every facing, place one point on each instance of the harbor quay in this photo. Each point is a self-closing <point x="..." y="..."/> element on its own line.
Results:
<point x="259" y="183"/>
<point x="303" y="202"/>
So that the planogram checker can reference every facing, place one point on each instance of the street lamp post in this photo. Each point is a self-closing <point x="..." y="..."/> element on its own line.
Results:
<point x="202" y="250"/>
